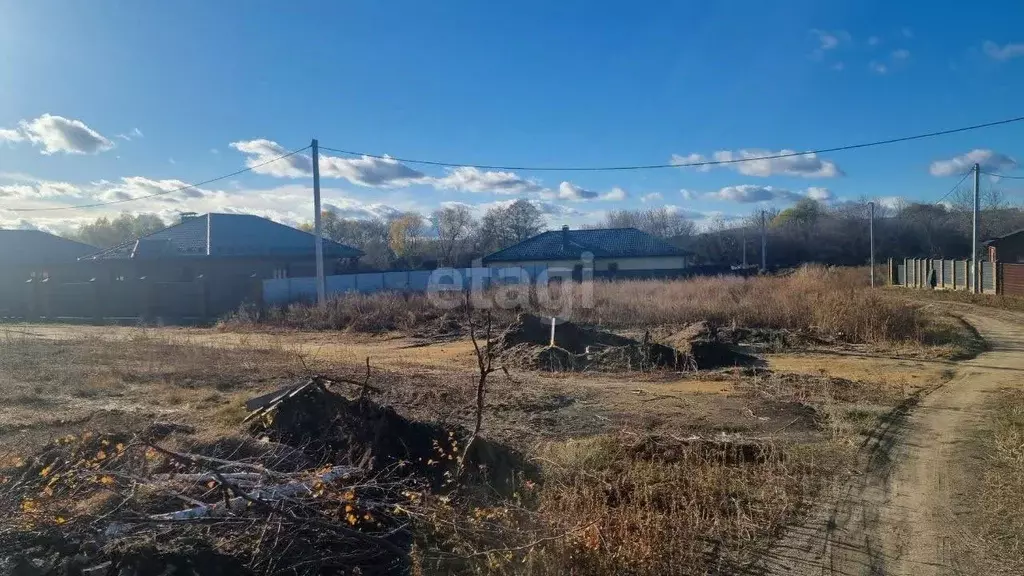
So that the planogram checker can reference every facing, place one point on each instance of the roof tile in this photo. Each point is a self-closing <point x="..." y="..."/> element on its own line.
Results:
<point x="228" y="235"/>
<point x="602" y="243"/>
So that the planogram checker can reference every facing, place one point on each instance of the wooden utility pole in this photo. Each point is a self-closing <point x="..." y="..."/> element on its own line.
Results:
<point x="871" y="232"/>
<point x="321" y="286"/>
<point x="975" y="228"/>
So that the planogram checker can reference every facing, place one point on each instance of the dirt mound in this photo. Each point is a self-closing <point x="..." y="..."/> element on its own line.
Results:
<point x="373" y="437"/>
<point x="528" y="343"/>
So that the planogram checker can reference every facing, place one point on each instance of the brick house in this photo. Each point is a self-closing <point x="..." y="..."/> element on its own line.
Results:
<point x="1007" y="248"/>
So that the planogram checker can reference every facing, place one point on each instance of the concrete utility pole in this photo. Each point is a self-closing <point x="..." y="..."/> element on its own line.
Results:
<point x="743" y="232"/>
<point x="321" y="286"/>
<point x="871" y="232"/>
<point x="975" y="229"/>
<point x="764" y="244"/>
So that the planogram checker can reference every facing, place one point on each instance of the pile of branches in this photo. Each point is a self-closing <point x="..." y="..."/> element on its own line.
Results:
<point x="119" y="505"/>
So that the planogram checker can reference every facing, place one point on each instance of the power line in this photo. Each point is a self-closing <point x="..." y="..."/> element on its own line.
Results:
<point x="955" y="186"/>
<point x="684" y="165"/>
<point x="196" y="185"/>
<point x="1003" y="176"/>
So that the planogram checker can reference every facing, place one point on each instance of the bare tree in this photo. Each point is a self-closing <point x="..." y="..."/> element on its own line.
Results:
<point x="485" y="362"/>
<point x="405" y="235"/>
<point x="454" y="224"/>
<point x="503" y="226"/>
<point x="661" y="222"/>
<point x="522" y="220"/>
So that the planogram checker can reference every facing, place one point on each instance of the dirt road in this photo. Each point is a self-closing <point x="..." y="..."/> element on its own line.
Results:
<point x="899" y="515"/>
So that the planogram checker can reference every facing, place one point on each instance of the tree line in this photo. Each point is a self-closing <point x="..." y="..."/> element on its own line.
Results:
<point x="808" y="231"/>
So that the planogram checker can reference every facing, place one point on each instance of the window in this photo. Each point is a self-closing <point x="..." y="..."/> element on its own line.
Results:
<point x="613" y="267"/>
<point x="280" y="273"/>
<point x="577" y="272"/>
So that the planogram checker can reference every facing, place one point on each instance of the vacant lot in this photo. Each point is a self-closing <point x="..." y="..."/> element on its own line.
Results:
<point x="608" y="470"/>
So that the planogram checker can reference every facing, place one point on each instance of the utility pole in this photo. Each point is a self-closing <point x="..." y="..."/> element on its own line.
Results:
<point x="743" y="230"/>
<point x="321" y="286"/>
<point x="764" y="244"/>
<point x="871" y="232"/>
<point x="975" y="230"/>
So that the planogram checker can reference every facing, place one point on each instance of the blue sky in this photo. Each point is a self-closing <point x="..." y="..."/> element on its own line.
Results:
<point x="111" y="100"/>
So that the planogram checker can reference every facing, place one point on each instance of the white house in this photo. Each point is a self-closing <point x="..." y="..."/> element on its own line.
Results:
<point x="623" y="252"/>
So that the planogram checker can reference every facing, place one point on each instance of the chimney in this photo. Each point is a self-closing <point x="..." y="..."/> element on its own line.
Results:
<point x="565" y="238"/>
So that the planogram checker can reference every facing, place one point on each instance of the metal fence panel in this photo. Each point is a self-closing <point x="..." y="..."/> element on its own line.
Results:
<point x="947" y="273"/>
<point x="1012" y="279"/>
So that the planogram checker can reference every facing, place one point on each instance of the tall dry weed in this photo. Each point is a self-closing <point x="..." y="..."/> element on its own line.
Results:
<point x="831" y="302"/>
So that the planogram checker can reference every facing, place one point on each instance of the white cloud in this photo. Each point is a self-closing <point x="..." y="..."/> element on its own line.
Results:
<point x="808" y="165"/>
<point x="828" y="40"/>
<point x="890" y="202"/>
<point x="818" y="193"/>
<point x="878" y="67"/>
<point x="10" y="135"/>
<point x="688" y="214"/>
<point x="475" y="180"/>
<point x="747" y="193"/>
<point x="290" y="204"/>
<point x="135" y="133"/>
<point x="40" y="189"/>
<point x="750" y="193"/>
<point x="987" y="159"/>
<point x="59" y="134"/>
<point x="689" y="194"/>
<point x="1002" y="53"/>
<point x="874" y="41"/>
<point x="838" y="66"/>
<point x="652" y="197"/>
<point x="683" y="161"/>
<point x="901" y="54"/>
<point x="615" y="194"/>
<point x="907" y="32"/>
<point x="371" y="172"/>
<point x="262" y="150"/>
<point x="574" y="193"/>
<point x="365" y="171"/>
<point x="350" y="208"/>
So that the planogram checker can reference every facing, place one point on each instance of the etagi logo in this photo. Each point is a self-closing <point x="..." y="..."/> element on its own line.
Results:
<point x="554" y="289"/>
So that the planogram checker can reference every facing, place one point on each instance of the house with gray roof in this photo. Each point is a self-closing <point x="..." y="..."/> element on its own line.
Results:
<point x="33" y="254"/>
<point x="616" y="252"/>
<point x="38" y="249"/>
<point x="219" y="246"/>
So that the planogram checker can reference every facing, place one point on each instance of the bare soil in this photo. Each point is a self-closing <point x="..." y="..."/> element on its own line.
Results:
<point x="904" y="512"/>
<point x="63" y="379"/>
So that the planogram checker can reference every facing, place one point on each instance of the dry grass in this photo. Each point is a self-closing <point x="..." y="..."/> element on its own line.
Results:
<point x="1002" y="301"/>
<point x="830" y="302"/>
<point x="615" y="504"/>
<point x="996" y="507"/>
